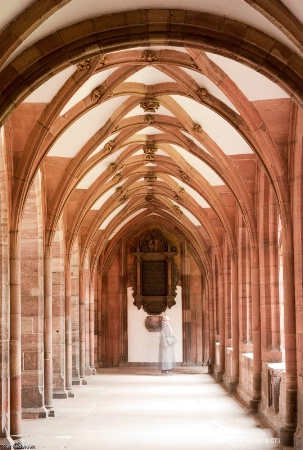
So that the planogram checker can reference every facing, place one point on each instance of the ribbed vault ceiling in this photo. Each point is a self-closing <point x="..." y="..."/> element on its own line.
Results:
<point x="150" y="133"/>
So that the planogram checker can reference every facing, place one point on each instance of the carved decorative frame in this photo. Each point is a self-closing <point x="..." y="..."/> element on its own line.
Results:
<point x="154" y="247"/>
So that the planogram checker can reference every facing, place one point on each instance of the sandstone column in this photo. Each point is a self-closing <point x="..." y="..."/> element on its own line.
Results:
<point x="82" y="323"/>
<point x="48" y="332"/>
<point x="186" y="319"/>
<point x="256" y="330"/>
<point x="297" y="151"/>
<point x="235" y="326"/>
<point x="92" y="325"/>
<point x="221" y="362"/>
<point x="68" y="330"/>
<point x="5" y="438"/>
<point x="58" y="302"/>
<point x="288" y="430"/>
<point x="15" y="336"/>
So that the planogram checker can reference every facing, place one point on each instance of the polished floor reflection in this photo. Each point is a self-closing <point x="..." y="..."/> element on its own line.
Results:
<point x="137" y="408"/>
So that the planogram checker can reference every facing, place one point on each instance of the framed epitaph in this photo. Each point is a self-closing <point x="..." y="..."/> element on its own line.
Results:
<point x="154" y="274"/>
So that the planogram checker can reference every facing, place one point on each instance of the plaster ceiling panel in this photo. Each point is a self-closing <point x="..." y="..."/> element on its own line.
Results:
<point x="254" y="85"/>
<point x="46" y="92"/>
<point x="230" y="141"/>
<point x="12" y="10"/>
<point x="161" y="153"/>
<point x="111" y="216"/>
<point x="204" y="82"/>
<point x="204" y="170"/>
<point x="97" y="170"/>
<point x="129" y="218"/>
<point x="149" y="76"/>
<point x="162" y="47"/>
<point x="295" y="6"/>
<point x="73" y="139"/>
<point x="192" y="192"/>
<point x="77" y="10"/>
<point x="100" y="202"/>
<point x="150" y="131"/>
<point x="91" y="84"/>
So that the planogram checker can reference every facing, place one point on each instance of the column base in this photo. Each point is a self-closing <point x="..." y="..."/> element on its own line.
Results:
<point x="298" y="439"/>
<point x="253" y="406"/>
<point x="83" y="381"/>
<point x="51" y="413"/>
<point x="287" y="436"/>
<point x="232" y="387"/>
<point x="70" y="393"/>
<point x="34" y="413"/>
<point x="219" y="376"/>
<point x="17" y="438"/>
<point x="60" y="393"/>
<point x="88" y="371"/>
<point x="76" y="381"/>
<point x="6" y="442"/>
<point x="93" y="369"/>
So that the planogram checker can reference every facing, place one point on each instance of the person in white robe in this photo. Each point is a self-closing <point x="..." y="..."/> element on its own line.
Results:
<point x="166" y="350"/>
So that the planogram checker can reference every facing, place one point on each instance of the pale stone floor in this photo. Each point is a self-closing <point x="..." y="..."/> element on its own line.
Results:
<point x="137" y="408"/>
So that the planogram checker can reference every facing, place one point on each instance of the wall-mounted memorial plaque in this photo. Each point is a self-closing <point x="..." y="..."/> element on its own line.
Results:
<point x="154" y="278"/>
<point x="154" y="274"/>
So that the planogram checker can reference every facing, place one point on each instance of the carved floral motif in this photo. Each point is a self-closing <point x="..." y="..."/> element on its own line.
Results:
<point x="150" y="178"/>
<point x="150" y="198"/>
<point x="184" y="176"/>
<point x="83" y="65"/>
<point x="117" y="177"/>
<point x="149" y="119"/>
<point x="97" y="93"/>
<point x="149" y="56"/>
<point x="108" y="147"/>
<point x="202" y="93"/>
<point x="197" y="128"/>
<point x="153" y="241"/>
<point x="177" y="210"/>
<point x="150" y="105"/>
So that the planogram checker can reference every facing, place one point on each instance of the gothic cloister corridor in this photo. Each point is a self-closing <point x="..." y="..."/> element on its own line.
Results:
<point x="151" y="165"/>
<point x="133" y="408"/>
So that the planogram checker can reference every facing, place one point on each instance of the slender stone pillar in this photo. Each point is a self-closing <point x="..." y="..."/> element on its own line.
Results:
<point x="15" y="336"/>
<point x="5" y="439"/>
<point x="256" y="330"/>
<point x="58" y="302"/>
<point x="221" y="365"/>
<point x="205" y="321"/>
<point x="48" y="332"/>
<point x="88" y="369"/>
<point x="235" y="327"/>
<point x="99" y="316"/>
<point x="68" y="331"/>
<point x="82" y="324"/>
<point x="211" y="306"/>
<point x="290" y="406"/>
<point x="297" y="141"/>
<point x="186" y="305"/>
<point x="92" y="325"/>
<point x="75" y="315"/>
